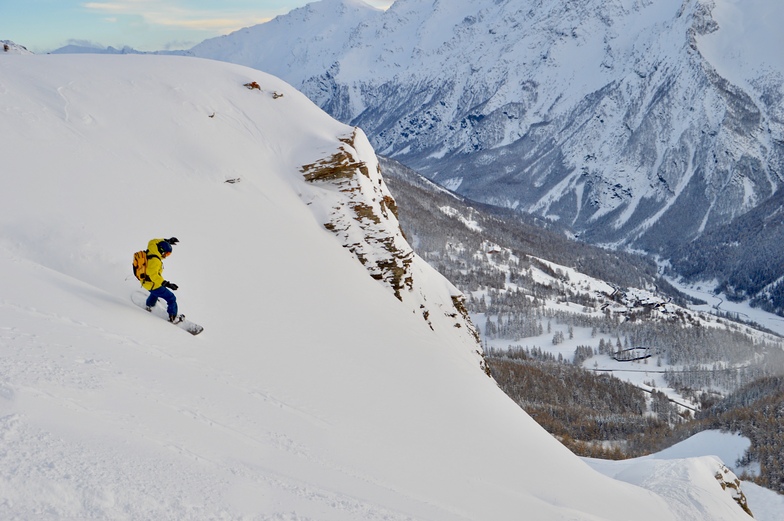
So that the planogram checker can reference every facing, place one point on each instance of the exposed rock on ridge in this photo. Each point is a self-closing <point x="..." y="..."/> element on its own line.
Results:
<point x="364" y="218"/>
<point x="362" y="222"/>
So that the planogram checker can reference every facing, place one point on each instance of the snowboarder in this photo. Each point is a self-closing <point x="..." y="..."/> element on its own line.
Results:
<point x="157" y="250"/>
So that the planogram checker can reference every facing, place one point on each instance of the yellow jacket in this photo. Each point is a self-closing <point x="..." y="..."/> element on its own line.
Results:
<point x="154" y="266"/>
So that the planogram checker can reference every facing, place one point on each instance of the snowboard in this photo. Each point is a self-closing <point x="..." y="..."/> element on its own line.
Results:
<point x="140" y="298"/>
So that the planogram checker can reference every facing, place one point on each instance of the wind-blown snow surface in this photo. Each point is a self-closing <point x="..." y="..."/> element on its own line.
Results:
<point x="312" y="394"/>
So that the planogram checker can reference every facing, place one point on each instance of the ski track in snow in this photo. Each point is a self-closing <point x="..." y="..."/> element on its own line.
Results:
<point x="93" y="477"/>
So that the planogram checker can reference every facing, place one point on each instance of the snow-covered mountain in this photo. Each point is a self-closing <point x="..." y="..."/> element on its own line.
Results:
<point x="631" y="121"/>
<point x="10" y="47"/>
<point x="319" y="389"/>
<point x="76" y="48"/>
<point x="296" y="46"/>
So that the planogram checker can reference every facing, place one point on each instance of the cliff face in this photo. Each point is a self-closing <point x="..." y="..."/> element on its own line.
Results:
<point x="356" y="205"/>
<point x="365" y="214"/>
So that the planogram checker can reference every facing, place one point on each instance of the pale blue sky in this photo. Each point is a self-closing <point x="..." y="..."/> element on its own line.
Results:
<point x="147" y="25"/>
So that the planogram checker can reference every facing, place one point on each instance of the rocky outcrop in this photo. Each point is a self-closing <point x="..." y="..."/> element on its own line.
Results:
<point x="365" y="219"/>
<point x="730" y="483"/>
<point x="363" y="216"/>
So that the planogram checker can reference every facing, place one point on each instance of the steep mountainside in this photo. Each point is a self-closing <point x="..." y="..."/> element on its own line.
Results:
<point x="745" y="256"/>
<point x="544" y="324"/>
<point x="600" y="309"/>
<point x="625" y="121"/>
<point x="474" y="226"/>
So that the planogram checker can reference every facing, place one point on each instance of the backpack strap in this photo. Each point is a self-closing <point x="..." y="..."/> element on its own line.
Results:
<point x="145" y="277"/>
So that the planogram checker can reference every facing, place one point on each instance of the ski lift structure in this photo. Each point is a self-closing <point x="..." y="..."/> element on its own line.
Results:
<point x="632" y="354"/>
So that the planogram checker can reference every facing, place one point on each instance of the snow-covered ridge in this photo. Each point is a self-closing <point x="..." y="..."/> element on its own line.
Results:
<point x="329" y="26"/>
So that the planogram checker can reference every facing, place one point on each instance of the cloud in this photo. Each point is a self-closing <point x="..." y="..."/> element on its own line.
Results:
<point x="85" y="43"/>
<point x="112" y="7"/>
<point x="164" y="14"/>
<point x="208" y="24"/>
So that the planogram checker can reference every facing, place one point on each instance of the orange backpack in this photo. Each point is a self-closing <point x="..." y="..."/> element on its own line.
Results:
<point x="140" y="265"/>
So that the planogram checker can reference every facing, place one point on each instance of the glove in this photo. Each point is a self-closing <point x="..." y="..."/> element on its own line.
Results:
<point x="173" y="241"/>
<point x="172" y="286"/>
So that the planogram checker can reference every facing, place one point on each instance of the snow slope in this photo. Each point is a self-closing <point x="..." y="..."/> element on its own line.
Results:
<point x="765" y="504"/>
<point x="314" y="393"/>
<point x="329" y="24"/>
